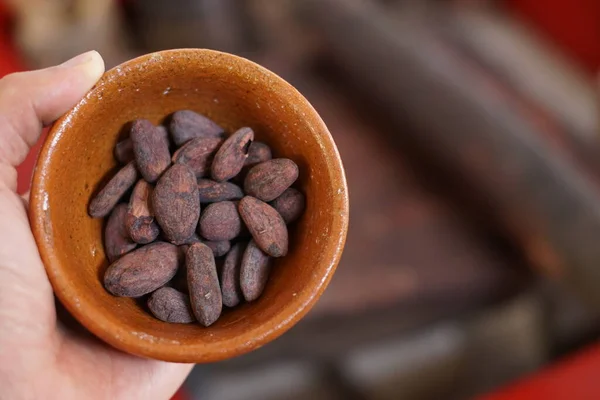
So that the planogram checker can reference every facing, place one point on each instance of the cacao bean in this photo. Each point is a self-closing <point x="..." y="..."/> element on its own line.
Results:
<point x="232" y="154"/>
<point x="220" y="221"/>
<point x="187" y="250"/>
<point x="266" y="226"/>
<point x="212" y="192"/>
<point x="103" y="203"/>
<point x="290" y="205"/>
<point x="203" y="284"/>
<point x="170" y="305"/>
<point x="186" y="125"/>
<point x="116" y="238"/>
<point x="198" y="154"/>
<point x="257" y="152"/>
<point x="150" y="149"/>
<point x="142" y="271"/>
<point x="175" y="203"/>
<point x="230" y="276"/>
<point x="140" y="221"/>
<point x="254" y="271"/>
<point x="268" y="180"/>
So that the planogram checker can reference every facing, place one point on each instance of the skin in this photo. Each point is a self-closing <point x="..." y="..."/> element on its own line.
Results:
<point x="41" y="356"/>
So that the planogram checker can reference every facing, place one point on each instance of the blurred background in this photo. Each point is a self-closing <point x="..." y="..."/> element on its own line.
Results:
<point x="469" y="130"/>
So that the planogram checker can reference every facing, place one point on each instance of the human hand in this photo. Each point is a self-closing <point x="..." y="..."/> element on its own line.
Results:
<point x="39" y="357"/>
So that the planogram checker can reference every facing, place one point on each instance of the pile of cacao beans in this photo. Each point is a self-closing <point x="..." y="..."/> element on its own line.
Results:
<point x="194" y="217"/>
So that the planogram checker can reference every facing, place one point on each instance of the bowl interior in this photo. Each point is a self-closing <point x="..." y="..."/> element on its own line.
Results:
<point x="79" y="155"/>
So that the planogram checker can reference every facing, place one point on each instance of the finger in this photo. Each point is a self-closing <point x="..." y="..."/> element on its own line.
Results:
<point x="29" y="100"/>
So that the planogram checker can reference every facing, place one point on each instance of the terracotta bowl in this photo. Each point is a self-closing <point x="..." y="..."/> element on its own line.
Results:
<point x="78" y="155"/>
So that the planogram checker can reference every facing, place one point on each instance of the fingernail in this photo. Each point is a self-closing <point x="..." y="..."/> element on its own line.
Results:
<point x="90" y="64"/>
<point x="79" y="60"/>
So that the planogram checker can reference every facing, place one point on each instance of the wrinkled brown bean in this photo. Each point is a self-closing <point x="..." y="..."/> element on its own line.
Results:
<point x="230" y="276"/>
<point x="186" y="125"/>
<point x="254" y="271"/>
<point x="290" y="205"/>
<point x="142" y="271"/>
<point x="150" y="149"/>
<point x="170" y="305"/>
<point x="140" y="221"/>
<point x="203" y="284"/>
<point x="219" y="247"/>
<point x="176" y="205"/>
<point x="257" y="152"/>
<point x="206" y="264"/>
<point x="212" y="192"/>
<point x="198" y="154"/>
<point x="109" y="196"/>
<point x="266" y="226"/>
<point x="232" y="154"/>
<point x="220" y="221"/>
<point x="268" y="180"/>
<point x="116" y="239"/>
<point x="124" y="151"/>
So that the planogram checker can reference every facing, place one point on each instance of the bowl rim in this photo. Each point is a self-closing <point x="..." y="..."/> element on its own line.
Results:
<point x="138" y="343"/>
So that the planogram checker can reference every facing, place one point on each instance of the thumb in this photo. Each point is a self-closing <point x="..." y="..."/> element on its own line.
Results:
<point x="29" y="100"/>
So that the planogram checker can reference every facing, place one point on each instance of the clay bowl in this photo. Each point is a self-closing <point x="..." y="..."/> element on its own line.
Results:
<point x="78" y="155"/>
